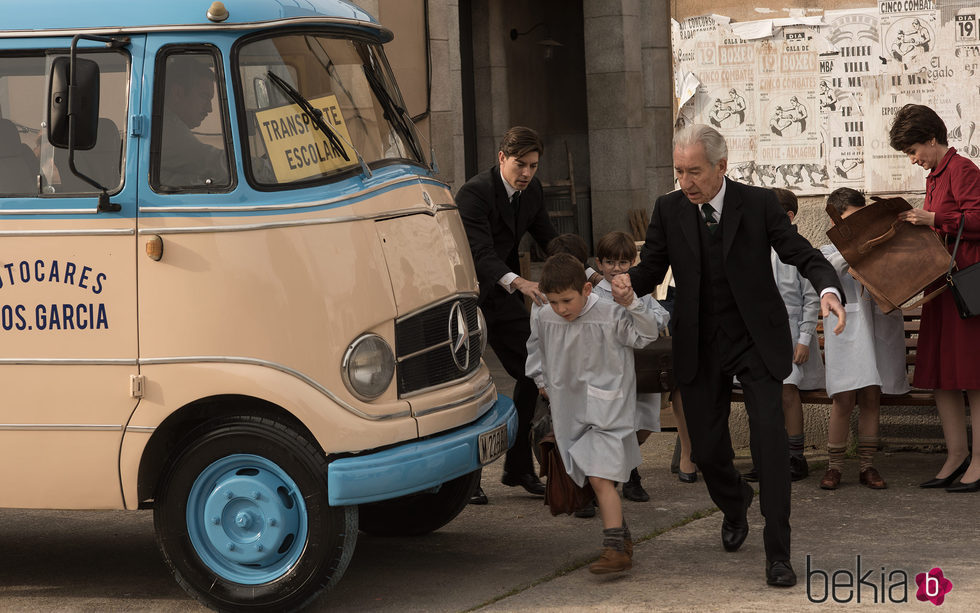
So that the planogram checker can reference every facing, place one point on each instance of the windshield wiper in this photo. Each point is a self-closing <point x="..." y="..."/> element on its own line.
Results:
<point x="337" y="140"/>
<point x="401" y="115"/>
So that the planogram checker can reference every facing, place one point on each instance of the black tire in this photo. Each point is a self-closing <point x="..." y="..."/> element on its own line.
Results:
<point x="273" y="546"/>
<point x="419" y="513"/>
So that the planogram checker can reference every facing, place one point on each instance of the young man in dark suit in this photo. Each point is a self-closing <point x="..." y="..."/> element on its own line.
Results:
<point x="729" y="320"/>
<point x="498" y="206"/>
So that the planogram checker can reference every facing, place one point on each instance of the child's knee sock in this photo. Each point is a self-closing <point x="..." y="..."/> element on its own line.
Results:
<point x="614" y="538"/>
<point x="796" y="445"/>
<point x="867" y="446"/>
<point x="835" y="451"/>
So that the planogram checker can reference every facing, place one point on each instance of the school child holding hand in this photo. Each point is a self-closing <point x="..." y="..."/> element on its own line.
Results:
<point x="580" y="352"/>
<point x="614" y="254"/>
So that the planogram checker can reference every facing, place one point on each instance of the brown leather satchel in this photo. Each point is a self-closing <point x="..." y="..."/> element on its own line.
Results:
<point x="561" y="494"/>
<point x="893" y="259"/>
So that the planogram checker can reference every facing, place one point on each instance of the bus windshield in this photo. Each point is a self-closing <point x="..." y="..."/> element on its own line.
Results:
<point x="347" y="81"/>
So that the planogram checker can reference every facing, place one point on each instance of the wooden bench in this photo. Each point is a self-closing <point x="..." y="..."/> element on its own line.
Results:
<point x="914" y="397"/>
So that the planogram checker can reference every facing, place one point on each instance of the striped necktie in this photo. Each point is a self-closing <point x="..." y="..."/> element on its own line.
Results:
<point x="709" y="217"/>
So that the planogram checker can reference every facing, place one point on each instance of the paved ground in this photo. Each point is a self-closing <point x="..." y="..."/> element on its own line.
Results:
<point x="679" y="565"/>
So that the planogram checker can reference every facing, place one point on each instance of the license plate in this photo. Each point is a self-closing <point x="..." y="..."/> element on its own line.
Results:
<point x="493" y="444"/>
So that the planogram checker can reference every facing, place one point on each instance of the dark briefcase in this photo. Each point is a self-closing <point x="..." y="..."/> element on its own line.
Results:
<point x="561" y="494"/>
<point x="893" y="259"/>
<point x="654" y="366"/>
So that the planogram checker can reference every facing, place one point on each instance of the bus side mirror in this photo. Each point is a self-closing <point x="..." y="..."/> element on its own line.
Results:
<point x="84" y="114"/>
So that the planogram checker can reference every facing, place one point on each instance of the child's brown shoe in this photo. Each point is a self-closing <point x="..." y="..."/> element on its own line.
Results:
<point x="831" y="479"/>
<point x="872" y="478"/>
<point x="611" y="561"/>
<point x="628" y="547"/>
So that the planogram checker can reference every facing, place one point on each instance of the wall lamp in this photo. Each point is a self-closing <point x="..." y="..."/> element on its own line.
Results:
<point x="549" y="44"/>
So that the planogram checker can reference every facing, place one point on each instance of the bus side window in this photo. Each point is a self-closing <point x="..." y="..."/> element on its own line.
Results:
<point x="102" y="162"/>
<point x="18" y="164"/>
<point x="191" y="143"/>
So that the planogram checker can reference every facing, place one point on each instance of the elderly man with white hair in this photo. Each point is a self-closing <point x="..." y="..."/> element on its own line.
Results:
<point x="716" y="234"/>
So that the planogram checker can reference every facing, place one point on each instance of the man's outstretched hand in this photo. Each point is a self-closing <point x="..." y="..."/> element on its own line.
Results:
<point x="829" y="303"/>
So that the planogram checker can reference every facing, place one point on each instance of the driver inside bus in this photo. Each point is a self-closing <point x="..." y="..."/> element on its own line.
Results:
<point x="186" y="160"/>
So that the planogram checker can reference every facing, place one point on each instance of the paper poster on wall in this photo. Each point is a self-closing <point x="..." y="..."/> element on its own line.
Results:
<point x="887" y="170"/>
<point x="957" y="74"/>
<point x="725" y="92"/>
<point x="790" y="150"/>
<point x="808" y="106"/>
<point x="907" y="30"/>
<point x="851" y="56"/>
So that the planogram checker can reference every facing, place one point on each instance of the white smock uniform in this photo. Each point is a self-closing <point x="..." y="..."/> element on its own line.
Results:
<point x="803" y="308"/>
<point x="871" y="349"/>
<point x="647" y="405"/>
<point x="586" y="366"/>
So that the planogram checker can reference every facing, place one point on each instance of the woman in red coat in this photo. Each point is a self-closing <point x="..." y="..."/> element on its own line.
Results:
<point x="946" y="354"/>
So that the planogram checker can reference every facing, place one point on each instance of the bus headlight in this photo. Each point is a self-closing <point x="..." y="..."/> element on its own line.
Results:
<point x="368" y="367"/>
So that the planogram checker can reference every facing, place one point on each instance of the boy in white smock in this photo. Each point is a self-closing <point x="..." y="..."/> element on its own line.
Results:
<point x="864" y="361"/>
<point x="803" y="309"/>
<point x="614" y="254"/>
<point x="580" y="354"/>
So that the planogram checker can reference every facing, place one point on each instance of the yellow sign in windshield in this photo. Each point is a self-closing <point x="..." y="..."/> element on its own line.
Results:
<point x="297" y="149"/>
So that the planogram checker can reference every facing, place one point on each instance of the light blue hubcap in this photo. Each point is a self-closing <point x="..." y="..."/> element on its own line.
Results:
<point x="246" y="519"/>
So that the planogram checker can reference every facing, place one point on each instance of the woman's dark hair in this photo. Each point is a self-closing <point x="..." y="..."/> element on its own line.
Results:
<point x="562" y="272"/>
<point x="569" y="243"/>
<point x="616" y="245"/>
<point x="787" y="200"/>
<point x="519" y="141"/>
<point x="915" y="124"/>
<point x="844" y="197"/>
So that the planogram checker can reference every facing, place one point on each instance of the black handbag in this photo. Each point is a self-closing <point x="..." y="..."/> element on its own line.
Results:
<point x="655" y="367"/>
<point x="964" y="283"/>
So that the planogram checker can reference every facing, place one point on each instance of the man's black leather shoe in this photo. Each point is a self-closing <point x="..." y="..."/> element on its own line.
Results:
<point x="528" y="481"/>
<point x="779" y="573"/>
<point x="733" y="532"/>
<point x="478" y="496"/>
<point x="798" y="468"/>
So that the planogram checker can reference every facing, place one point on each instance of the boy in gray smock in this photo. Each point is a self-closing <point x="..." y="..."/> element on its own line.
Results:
<point x="580" y="354"/>
<point x="615" y="253"/>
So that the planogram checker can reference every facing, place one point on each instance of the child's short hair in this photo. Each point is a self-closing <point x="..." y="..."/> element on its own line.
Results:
<point x="616" y="245"/>
<point x="562" y="272"/>
<point x="787" y="200"/>
<point x="844" y="197"/>
<point x="572" y="244"/>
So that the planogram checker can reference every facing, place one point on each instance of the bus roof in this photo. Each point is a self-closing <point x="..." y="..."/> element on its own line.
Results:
<point x="67" y="16"/>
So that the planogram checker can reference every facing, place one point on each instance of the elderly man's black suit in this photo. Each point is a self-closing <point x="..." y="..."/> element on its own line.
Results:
<point x="494" y="233"/>
<point x="729" y="319"/>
